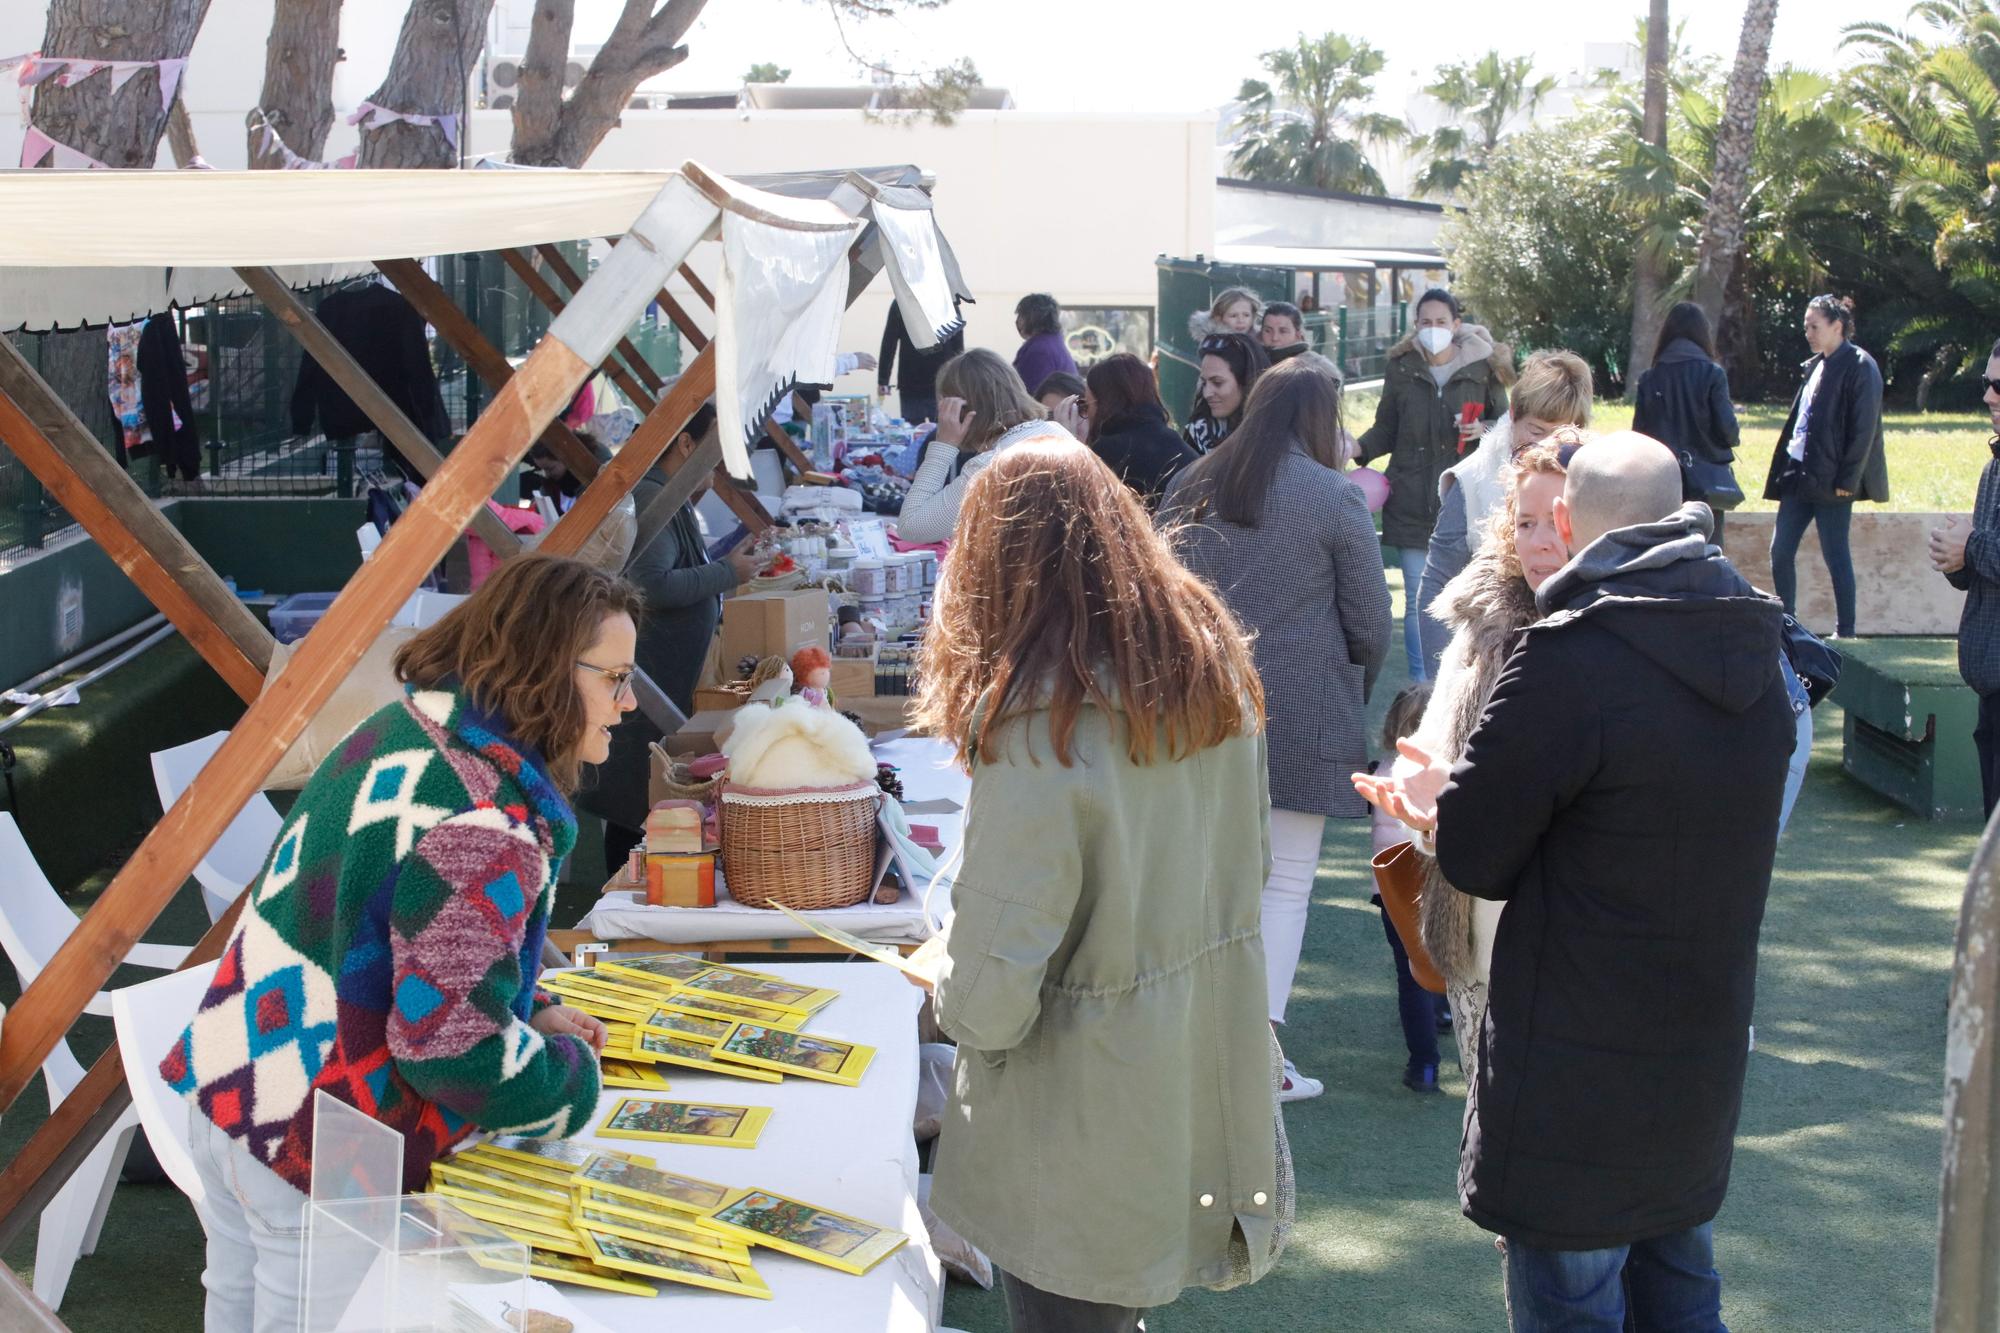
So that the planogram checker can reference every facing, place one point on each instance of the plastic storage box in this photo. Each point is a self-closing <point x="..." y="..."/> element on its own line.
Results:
<point x="293" y="618"/>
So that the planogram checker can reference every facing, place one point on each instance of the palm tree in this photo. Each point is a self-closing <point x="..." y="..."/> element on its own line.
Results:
<point x="1479" y="99"/>
<point x="1932" y="100"/>
<point x="1305" y="127"/>
<point x="1649" y="281"/>
<point x="1722" y="232"/>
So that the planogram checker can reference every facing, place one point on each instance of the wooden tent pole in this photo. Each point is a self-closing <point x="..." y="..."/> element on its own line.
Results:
<point x="639" y="365"/>
<point x="553" y="302"/>
<point x="481" y="357"/>
<point x="163" y="862"/>
<point x="46" y="436"/>
<point x="638" y="453"/>
<point x="79" y="1123"/>
<point x="685" y="482"/>
<point x="22" y="1311"/>
<point x="697" y="286"/>
<point x="359" y="385"/>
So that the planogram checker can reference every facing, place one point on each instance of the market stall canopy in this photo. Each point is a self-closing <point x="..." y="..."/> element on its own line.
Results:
<point x="89" y="247"/>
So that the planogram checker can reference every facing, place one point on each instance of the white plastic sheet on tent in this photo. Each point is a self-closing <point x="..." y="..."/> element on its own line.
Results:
<point x="922" y="268"/>
<point x="778" y="311"/>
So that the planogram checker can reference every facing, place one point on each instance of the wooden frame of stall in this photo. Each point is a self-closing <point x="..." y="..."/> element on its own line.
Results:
<point x="54" y="445"/>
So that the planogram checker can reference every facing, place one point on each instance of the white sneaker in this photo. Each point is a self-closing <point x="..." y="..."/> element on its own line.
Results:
<point x="1298" y="1087"/>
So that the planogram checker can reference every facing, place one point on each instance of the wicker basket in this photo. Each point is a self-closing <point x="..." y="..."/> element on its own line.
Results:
<point x="680" y="785"/>
<point x="805" y="849"/>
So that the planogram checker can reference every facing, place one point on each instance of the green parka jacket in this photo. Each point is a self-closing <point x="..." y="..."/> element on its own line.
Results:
<point x="1416" y="425"/>
<point x="1112" y="1123"/>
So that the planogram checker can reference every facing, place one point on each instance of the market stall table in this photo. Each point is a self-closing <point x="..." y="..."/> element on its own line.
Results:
<point x="934" y="790"/>
<point x="848" y="1149"/>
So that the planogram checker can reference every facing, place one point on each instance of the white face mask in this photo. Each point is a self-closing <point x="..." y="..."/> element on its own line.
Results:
<point x="1433" y="340"/>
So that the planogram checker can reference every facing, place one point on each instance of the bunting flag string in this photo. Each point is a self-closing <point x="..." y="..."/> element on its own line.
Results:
<point x="269" y="141"/>
<point x="33" y="68"/>
<point x="378" y="116"/>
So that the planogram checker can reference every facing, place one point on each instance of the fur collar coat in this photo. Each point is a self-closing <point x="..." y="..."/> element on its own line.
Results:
<point x="1486" y="607"/>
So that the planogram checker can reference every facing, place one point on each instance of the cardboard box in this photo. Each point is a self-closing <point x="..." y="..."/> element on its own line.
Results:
<point x="700" y="735"/>
<point x="853" y="678"/>
<point x="772" y="624"/>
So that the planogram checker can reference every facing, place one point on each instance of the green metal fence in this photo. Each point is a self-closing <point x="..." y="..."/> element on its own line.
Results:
<point x="248" y="365"/>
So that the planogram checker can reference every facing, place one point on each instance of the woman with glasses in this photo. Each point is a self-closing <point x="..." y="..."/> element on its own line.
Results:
<point x="389" y="952"/>
<point x="1229" y="364"/>
<point x="1828" y="455"/>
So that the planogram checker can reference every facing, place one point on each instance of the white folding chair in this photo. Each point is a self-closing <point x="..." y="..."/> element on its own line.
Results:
<point x="149" y="1017"/>
<point x="34" y="922"/>
<point x="238" y="856"/>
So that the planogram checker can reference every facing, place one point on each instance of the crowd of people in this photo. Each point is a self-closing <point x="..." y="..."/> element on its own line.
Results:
<point x="1154" y="650"/>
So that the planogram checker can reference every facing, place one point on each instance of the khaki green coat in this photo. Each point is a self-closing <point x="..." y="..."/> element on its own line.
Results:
<point x="1113" y="1119"/>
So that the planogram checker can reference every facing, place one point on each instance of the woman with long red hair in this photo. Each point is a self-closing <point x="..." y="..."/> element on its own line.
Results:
<point x="1111" y="1138"/>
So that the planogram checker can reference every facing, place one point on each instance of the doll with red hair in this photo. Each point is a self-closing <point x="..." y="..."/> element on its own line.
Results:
<point x="812" y="675"/>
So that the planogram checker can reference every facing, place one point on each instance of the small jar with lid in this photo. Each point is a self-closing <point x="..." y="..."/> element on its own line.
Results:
<point x="868" y="580"/>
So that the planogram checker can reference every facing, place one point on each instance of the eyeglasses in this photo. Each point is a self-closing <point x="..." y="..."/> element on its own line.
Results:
<point x="621" y="681"/>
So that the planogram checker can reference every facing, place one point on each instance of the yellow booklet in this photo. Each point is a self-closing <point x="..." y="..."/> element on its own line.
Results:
<point x="651" y="1187"/>
<point x="631" y="1074"/>
<point x="601" y="1212"/>
<point x="759" y="1217"/>
<point x="827" y="1059"/>
<point x="651" y="1046"/>
<point x="703" y="1005"/>
<point x="885" y="954"/>
<point x="635" y="1256"/>
<point x="769" y="993"/>
<point x="702" y="1123"/>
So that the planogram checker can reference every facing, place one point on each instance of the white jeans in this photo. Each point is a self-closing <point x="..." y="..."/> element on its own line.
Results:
<point x="255" y="1223"/>
<point x="1295" y="840"/>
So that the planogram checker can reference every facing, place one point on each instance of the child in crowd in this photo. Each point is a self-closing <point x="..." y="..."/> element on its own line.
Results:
<point x="1423" y="1014"/>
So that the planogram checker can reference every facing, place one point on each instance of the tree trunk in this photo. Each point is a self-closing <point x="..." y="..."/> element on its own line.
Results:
<point x="552" y="132"/>
<point x="538" y="101"/>
<point x="1735" y="142"/>
<point x="1649" y="283"/>
<point x="427" y="77"/>
<point x="121" y="129"/>
<point x="297" y="97"/>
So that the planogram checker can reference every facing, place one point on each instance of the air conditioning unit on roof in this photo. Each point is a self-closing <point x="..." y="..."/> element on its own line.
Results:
<point x="503" y="79"/>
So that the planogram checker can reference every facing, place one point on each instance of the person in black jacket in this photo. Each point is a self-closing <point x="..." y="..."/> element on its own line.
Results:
<point x="916" y="388"/>
<point x="1968" y="555"/>
<point x="683" y="590"/>
<point x="1683" y="402"/>
<point x="1124" y="422"/>
<point x="1829" y="455"/>
<point x="1621" y="795"/>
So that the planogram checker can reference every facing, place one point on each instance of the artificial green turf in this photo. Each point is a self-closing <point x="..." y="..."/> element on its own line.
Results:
<point x="1912" y="661"/>
<point x="1831" y="1218"/>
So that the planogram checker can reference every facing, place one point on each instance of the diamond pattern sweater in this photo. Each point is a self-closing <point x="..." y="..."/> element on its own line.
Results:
<point x="389" y="951"/>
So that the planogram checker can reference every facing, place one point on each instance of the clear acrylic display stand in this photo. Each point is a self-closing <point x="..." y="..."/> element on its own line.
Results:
<point x="380" y="1261"/>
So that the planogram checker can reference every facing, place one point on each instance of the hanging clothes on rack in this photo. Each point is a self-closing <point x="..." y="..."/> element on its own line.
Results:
<point x="381" y="332"/>
<point x="163" y="396"/>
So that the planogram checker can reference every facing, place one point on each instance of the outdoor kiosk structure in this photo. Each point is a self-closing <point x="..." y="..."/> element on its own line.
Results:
<point x="797" y="250"/>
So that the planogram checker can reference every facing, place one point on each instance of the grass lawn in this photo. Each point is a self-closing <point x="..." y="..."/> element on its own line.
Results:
<point x="1934" y="457"/>
<point x="1832" y="1214"/>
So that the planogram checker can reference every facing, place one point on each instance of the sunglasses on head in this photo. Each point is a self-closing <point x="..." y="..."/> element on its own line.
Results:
<point x="1216" y="344"/>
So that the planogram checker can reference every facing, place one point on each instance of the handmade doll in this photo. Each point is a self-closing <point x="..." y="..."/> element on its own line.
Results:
<point x="812" y="675"/>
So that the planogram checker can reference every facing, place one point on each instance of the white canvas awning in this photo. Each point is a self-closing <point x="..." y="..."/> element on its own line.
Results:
<point x="87" y="247"/>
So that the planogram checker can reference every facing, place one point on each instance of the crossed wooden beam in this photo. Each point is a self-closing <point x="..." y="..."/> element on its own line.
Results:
<point x="586" y="334"/>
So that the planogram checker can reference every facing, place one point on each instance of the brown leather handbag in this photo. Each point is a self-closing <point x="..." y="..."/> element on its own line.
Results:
<point x="1399" y="878"/>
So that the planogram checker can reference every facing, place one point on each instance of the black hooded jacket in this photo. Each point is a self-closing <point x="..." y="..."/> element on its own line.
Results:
<point x="1621" y="796"/>
<point x="1143" y="449"/>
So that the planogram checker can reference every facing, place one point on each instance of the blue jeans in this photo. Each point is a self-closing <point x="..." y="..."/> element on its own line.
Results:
<point x="1670" y="1283"/>
<point x="1411" y="559"/>
<point x="1795" y="513"/>
<point x="255" y="1222"/>
<point x="1416" y="1007"/>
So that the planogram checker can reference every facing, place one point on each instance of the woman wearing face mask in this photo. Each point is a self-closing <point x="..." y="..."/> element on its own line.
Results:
<point x="1443" y="385"/>
<point x="1828" y="455"/>
<point x="1230" y="364"/>
<point x="1486" y="607"/>
<point x="1554" y="391"/>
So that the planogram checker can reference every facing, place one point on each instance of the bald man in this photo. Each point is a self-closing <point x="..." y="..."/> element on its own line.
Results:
<point x="1622" y="796"/>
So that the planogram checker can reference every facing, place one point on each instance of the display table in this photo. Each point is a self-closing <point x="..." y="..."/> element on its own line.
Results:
<point x="848" y="1149"/>
<point x="935" y="791"/>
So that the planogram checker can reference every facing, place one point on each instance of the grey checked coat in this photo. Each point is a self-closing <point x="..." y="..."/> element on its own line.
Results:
<point x="1308" y="583"/>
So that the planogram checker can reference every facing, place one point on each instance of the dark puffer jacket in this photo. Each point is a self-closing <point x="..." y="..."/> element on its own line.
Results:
<point x="1621" y="795"/>
<point x="1844" y="448"/>
<point x="1143" y="449"/>
<point x="1416" y="424"/>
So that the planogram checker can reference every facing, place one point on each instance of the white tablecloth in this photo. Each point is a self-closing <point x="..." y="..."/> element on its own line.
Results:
<point x="848" y="1149"/>
<point x="928" y="775"/>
